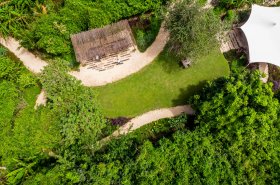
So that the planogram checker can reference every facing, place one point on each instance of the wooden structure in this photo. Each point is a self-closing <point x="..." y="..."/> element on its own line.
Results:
<point x="102" y="48"/>
<point x="235" y="40"/>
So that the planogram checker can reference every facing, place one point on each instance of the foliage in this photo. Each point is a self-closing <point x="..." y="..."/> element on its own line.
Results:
<point x="233" y="4"/>
<point x="193" y="30"/>
<point x="241" y="114"/>
<point x="58" y="139"/>
<point x="50" y="33"/>
<point x="15" y="15"/>
<point x="15" y="73"/>
<point x="234" y="10"/>
<point x="119" y="9"/>
<point x="236" y="140"/>
<point x="146" y="30"/>
<point x="80" y="122"/>
<point x="3" y="51"/>
<point x="158" y="129"/>
<point x="24" y="133"/>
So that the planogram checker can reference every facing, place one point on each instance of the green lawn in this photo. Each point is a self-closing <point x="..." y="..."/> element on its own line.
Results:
<point x="164" y="83"/>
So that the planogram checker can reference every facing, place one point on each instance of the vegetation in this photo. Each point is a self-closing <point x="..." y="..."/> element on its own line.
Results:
<point x="16" y="15"/>
<point x="235" y="140"/>
<point x="193" y="30"/>
<point x="145" y="31"/>
<point x="65" y="132"/>
<point x="234" y="4"/>
<point x="232" y="139"/>
<point x="164" y="83"/>
<point x="24" y="132"/>
<point x="50" y="31"/>
<point x="234" y="10"/>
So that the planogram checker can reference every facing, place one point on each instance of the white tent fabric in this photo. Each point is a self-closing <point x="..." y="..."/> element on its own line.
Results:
<point x="262" y="31"/>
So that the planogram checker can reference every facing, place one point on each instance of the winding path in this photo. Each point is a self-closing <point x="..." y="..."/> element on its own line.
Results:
<point x="136" y="62"/>
<point x="94" y="78"/>
<point x="91" y="77"/>
<point x="149" y="117"/>
<point x="31" y="62"/>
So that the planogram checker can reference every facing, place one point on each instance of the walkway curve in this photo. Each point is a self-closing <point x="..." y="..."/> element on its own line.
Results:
<point x="137" y="62"/>
<point x="29" y="60"/>
<point x="149" y="117"/>
<point x="91" y="77"/>
<point x="41" y="99"/>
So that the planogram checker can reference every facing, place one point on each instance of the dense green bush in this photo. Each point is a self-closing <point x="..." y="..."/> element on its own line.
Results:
<point x="14" y="72"/>
<point x="62" y="135"/>
<point x="233" y="4"/>
<point x="146" y="30"/>
<point x="193" y="30"/>
<point x="119" y="9"/>
<point x="236" y="140"/>
<point x="24" y="133"/>
<point x="229" y="8"/>
<point x="50" y="33"/>
<point x="16" y="15"/>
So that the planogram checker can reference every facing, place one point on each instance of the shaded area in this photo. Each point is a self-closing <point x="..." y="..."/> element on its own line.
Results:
<point x="145" y="28"/>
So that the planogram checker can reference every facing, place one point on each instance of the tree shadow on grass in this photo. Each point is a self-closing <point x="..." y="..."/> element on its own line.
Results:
<point x="169" y="62"/>
<point x="186" y="93"/>
<point x="232" y="55"/>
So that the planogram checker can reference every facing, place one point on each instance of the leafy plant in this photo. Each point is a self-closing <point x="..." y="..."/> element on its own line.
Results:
<point x="3" y="51"/>
<point x="193" y="30"/>
<point x="15" y="15"/>
<point x="145" y="31"/>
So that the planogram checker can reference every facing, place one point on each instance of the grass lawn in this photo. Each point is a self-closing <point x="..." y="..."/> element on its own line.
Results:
<point x="164" y="83"/>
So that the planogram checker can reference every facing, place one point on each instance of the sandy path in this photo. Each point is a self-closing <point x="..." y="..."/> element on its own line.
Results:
<point x="263" y="67"/>
<point x="91" y="77"/>
<point x="149" y="117"/>
<point x="41" y="99"/>
<point x="137" y="61"/>
<point x="33" y="63"/>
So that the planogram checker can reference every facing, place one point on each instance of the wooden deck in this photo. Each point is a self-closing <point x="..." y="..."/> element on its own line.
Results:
<point x="110" y="61"/>
<point x="234" y="40"/>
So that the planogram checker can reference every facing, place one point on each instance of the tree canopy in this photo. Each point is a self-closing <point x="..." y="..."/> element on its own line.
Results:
<point x="193" y="29"/>
<point x="234" y="140"/>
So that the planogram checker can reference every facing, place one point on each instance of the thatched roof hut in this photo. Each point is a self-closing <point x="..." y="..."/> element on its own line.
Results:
<point x="102" y="42"/>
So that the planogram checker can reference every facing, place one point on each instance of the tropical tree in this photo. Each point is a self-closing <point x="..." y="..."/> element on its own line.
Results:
<point x="236" y="140"/>
<point x="193" y="29"/>
<point x="15" y="15"/>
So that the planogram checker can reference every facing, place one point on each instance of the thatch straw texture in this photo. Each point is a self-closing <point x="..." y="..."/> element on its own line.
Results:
<point x="102" y="42"/>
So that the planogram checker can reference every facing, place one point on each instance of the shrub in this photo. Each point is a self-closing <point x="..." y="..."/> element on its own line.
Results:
<point x="233" y="4"/>
<point x="146" y="30"/>
<point x="3" y="51"/>
<point x="50" y="33"/>
<point x="193" y="30"/>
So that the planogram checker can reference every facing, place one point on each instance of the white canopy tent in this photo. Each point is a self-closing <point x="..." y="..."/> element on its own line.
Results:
<point x="262" y="31"/>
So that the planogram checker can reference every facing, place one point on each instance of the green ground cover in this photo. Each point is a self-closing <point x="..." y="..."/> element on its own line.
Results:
<point x="164" y="83"/>
<point x="145" y="30"/>
<point x="21" y="126"/>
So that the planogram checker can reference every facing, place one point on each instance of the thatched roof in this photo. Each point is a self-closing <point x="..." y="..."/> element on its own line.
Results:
<point x="102" y="42"/>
